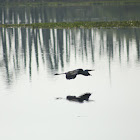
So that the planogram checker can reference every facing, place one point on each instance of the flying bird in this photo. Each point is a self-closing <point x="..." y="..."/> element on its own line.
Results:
<point x="72" y="74"/>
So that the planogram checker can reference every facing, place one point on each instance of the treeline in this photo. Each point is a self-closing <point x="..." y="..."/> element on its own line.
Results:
<point x="3" y="1"/>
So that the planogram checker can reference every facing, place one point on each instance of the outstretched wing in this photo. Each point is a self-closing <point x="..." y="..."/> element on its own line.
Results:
<point x="71" y="74"/>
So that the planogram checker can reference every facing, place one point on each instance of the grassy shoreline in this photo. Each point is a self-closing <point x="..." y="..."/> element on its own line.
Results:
<point x="86" y="24"/>
<point x="62" y="3"/>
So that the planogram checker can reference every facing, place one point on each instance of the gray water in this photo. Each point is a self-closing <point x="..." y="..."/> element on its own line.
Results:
<point x="29" y="58"/>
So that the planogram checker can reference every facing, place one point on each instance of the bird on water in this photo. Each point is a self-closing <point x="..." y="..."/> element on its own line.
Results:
<point x="72" y="74"/>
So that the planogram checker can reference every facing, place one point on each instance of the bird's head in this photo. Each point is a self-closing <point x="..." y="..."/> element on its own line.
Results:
<point x="86" y="73"/>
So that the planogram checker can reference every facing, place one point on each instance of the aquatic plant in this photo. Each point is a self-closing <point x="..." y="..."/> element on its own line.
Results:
<point x="82" y="24"/>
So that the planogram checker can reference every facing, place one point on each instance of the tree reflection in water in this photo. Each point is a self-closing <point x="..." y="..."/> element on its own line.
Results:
<point x="55" y="48"/>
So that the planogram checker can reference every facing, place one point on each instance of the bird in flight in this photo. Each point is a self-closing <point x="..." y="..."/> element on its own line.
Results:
<point x="72" y="74"/>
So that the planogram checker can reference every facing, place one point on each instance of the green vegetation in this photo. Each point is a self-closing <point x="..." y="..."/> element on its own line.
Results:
<point x="67" y="3"/>
<point x="60" y="25"/>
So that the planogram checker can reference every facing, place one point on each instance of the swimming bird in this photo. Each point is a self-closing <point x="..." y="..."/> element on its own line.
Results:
<point x="72" y="74"/>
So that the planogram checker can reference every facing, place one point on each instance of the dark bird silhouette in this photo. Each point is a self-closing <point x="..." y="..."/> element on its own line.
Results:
<point x="72" y="74"/>
<point x="79" y="98"/>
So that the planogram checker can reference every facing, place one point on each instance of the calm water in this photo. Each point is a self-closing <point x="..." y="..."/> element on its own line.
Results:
<point x="28" y="88"/>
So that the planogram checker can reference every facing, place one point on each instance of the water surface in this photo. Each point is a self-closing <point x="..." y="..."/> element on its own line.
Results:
<point x="28" y="88"/>
<point x="29" y="58"/>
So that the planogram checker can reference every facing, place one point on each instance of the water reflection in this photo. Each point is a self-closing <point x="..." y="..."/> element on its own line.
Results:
<point x="31" y="14"/>
<point x="79" y="99"/>
<point x="23" y="48"/>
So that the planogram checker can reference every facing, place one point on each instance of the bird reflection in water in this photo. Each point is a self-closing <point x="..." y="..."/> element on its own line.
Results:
<point x="80" y="99"/>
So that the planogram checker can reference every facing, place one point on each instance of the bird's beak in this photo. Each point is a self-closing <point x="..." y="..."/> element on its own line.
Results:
<point x="91" y="70"/>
